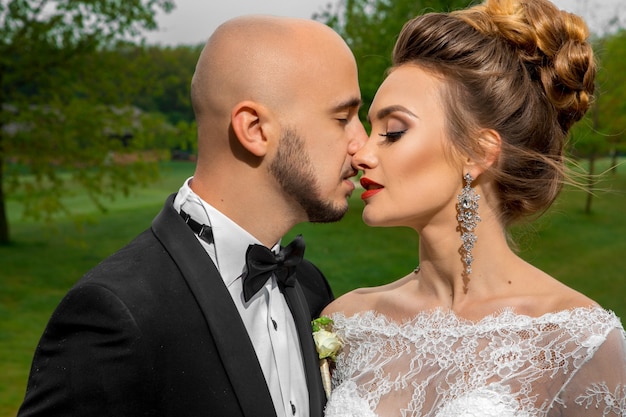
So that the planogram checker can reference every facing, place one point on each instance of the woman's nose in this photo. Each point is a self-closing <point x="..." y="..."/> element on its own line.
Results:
<point x="365" y="158"/>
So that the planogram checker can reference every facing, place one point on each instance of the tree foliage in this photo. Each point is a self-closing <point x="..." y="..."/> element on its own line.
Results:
<point x="603" y="130"/>
<point x="611" y="105"/>
<point x="64" y="103"/>
<point x="168" y="79"/>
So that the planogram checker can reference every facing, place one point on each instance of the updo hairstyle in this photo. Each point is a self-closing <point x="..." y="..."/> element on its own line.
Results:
<point x="520" y="67"/>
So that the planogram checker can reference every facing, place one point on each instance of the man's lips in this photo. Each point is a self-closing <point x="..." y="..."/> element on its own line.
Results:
<point x="348" y="181"/>
<point x="371" y="188"/>
<point x="350" y="184"/>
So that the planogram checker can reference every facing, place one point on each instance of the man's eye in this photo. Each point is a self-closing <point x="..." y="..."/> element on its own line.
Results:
<point x="393" y="136"/>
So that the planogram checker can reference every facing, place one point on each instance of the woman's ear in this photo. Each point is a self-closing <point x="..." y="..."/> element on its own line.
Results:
<point x="490" y="144"/>
<point x="247" y="120"/>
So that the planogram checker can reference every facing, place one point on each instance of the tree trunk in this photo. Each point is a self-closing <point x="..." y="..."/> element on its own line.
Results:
<point x="614" y="160"/>
<point x="590" y="182"/>
<point x="4" y="221"/>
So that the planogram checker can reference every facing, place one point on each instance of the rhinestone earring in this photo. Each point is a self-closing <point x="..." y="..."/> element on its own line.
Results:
<point x="468" y="218"/>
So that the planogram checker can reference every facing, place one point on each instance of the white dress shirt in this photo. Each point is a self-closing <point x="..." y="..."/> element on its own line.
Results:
<point x="266" y="316"/>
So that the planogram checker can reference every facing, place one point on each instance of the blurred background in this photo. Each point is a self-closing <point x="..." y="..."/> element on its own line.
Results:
<point x="96" y="129"/>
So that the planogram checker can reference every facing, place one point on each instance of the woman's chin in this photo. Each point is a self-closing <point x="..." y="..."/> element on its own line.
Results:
<point x="373" y="221"/>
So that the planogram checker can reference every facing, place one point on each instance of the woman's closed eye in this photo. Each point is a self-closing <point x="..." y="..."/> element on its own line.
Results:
<point x="393" y="136"/>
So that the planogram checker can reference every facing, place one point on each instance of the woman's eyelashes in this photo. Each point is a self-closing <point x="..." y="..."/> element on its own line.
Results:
<point x="393" y="136"/>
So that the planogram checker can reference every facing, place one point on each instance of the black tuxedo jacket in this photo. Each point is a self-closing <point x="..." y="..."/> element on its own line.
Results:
<point x="153" y="331"/>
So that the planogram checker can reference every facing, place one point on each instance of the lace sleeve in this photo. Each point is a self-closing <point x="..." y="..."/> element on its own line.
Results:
<point x="569" y="363"/>
<point x="599" y="386"/>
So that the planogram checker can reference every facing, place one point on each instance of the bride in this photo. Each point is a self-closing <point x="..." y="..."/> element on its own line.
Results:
<point x="468" y="131"/>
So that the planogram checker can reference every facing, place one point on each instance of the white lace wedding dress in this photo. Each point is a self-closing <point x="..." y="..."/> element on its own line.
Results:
<point x="571" y="363"/>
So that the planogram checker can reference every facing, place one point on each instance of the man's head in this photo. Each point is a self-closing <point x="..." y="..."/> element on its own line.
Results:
<point x="276" y="102"/>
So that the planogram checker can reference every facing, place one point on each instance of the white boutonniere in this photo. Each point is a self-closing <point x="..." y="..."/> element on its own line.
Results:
<point x="327" y="344"/>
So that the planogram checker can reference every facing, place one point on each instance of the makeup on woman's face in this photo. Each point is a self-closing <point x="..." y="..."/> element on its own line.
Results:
<point x="407" y="176"/>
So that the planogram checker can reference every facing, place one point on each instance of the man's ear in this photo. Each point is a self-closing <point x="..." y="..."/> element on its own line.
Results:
<point x="490" y="144"/>
<point x="247" y="120"/>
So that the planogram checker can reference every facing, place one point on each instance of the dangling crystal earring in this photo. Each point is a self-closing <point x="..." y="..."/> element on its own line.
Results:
<point x="468" y="218"/>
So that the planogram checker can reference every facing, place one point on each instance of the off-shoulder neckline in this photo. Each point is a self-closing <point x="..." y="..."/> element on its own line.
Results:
<point x="504" y="316"/>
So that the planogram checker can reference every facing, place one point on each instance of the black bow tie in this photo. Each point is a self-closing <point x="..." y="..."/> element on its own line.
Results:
<point x="262" y="262"/>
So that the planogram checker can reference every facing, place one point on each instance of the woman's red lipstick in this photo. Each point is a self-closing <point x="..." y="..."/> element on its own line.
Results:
<point x="371" y="188"/>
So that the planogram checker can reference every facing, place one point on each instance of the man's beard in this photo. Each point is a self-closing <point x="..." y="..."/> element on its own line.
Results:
<point x="294" y="171"/>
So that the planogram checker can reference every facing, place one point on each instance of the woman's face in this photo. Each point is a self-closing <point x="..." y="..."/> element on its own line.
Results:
<point x="409" y="175"/>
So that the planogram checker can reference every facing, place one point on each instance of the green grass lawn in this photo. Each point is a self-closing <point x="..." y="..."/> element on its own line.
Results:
<point x="588" y="252"/>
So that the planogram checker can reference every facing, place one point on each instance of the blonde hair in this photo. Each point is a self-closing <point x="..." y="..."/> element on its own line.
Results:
<point x="520" y="67"/>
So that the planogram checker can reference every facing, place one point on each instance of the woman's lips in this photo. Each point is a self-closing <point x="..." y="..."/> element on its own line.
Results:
<point x="369" y="193"/>
<point x="371" y="188"/>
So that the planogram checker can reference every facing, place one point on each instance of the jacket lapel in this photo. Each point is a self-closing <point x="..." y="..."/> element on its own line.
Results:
<point x="229" y="333"/>
<point x="300" y="311"/>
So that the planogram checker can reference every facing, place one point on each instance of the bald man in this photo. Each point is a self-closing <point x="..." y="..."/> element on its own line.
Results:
<point x="197" y="316"/>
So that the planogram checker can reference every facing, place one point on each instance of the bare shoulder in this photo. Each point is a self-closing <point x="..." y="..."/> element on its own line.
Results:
<point x="568" y="298"/>
<point x="366" y="299"/>
<point x="547" y="294"/>
<point x="355" y="301"/>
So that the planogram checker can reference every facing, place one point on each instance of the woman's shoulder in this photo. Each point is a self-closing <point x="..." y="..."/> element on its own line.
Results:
<point x="353" y="302"/>
<point x="366" y="299"/>
<point x="556" y="296"/>
<point x="542" y="293"/>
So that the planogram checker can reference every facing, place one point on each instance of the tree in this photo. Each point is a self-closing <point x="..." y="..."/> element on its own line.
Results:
<point x="171" y="69"/>
<point x="612" y="86"/>
<point x="603" y="131"/>
<point x="370" y="28"/>
<point x="62" y="108"/>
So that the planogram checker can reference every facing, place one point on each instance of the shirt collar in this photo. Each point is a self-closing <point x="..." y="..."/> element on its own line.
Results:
<point x="230" y="241"/>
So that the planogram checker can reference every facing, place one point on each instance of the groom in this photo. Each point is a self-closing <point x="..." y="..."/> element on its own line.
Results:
<point x="183" y="321"/>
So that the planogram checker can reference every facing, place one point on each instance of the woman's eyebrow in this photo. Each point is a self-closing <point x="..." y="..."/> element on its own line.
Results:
<point x="386" y="111"/>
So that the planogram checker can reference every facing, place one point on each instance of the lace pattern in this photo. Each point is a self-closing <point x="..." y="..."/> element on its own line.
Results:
<point x="599" y="396"/>
<point x="506" y="365"/>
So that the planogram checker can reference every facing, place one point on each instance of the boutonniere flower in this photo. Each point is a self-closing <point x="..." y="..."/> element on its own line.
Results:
<point x="327" y="344"/>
